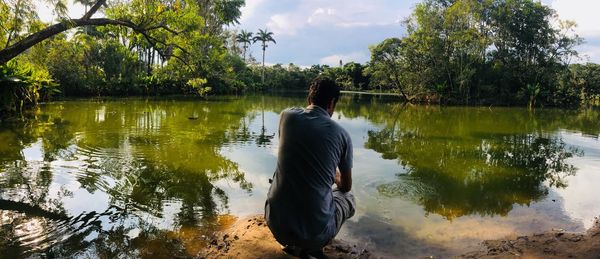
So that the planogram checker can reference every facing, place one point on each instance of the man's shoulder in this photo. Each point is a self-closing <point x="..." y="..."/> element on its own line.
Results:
<point x="340" y="131"/>
<point x="343" y="132"/>
<point x="291" y="112"/>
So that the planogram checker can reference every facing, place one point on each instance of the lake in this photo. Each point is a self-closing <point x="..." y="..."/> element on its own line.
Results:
<point x="156" y="177"/>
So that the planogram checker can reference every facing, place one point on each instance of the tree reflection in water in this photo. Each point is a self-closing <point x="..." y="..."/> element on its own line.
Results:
<point x="148" y="171"/>
<point x="136" y="178"/>
<point x="459" y="163"/>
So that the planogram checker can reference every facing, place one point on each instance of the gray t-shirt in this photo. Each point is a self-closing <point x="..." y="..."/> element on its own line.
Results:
<point x="300" y="209"/>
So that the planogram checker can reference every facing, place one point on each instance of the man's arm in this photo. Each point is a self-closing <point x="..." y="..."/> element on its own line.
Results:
<point x="343" y="180"/>
<point x="343" y="176"/>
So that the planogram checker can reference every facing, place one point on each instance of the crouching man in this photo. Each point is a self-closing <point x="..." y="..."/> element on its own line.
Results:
<point x="303" y="210"/>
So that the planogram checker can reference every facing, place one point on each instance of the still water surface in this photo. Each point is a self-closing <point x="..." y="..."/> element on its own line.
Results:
<point x="155" y="177"/>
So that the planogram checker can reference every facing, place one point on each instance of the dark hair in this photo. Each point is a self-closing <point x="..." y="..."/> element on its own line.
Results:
<point x="322" y="90"/>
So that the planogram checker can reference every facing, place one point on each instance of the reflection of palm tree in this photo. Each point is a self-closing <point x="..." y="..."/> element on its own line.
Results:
<point x="264" y="37"/>
<point x="263" y="139"/>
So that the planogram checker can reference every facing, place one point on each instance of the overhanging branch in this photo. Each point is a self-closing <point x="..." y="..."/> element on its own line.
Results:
<point x="21" y="46"/>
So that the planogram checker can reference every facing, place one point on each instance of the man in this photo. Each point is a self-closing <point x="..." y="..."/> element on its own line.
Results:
<point x="303" y="210"/>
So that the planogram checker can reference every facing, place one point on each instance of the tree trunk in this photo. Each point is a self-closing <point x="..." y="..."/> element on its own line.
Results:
<point x="148" y="61"/>
<point x="245" y="48"/>
<point x="263" y="65"/>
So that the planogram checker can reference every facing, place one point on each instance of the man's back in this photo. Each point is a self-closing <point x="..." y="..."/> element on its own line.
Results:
<point x="300" y="206"/>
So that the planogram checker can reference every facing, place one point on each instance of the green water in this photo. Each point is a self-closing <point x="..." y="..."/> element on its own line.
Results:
<point x="156" y="177"/>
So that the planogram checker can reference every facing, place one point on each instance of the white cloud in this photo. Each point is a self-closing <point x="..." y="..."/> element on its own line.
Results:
<point x="583" y="12"/>
<point x="355" y="24"/>
<point x="285" y="24"/>
<point x="321" y="15"/>
<point x="334" y="60"/>
<point x="310" y="31"/>
<point x="333" y="14"/>
<point x="352" y="14"/>
<point x="249" y="9"/>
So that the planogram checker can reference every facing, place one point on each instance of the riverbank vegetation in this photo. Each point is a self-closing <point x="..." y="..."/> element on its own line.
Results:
<point x="501" y="52"/>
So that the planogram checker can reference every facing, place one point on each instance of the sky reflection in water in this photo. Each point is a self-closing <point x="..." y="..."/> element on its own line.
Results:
<point x="133" y="177"/>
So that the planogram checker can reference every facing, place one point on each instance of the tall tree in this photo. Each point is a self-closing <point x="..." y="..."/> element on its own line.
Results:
<point x="460" y="51"/>
<point x="264" y="36"/>
<point x="386" y="67"/>
<point x="245" y="38"/>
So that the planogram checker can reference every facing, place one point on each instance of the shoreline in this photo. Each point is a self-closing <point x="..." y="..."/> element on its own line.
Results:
<point x="249" y="237"/>
<point x="556" y="243"/>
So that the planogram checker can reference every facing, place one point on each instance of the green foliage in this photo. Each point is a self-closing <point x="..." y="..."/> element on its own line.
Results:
<point x="468" y="51"/>
<point x="585" y="79"/>
<point x="278" y="77"/>
<point x="22" y="85"/>
<point x="387" y="65"/>
<point x="351" y="76"/>
<point x="94" y="66"/>
<point x="229" y="11"/>
<point x="180" y="50"/>
<point x="198" y="84"/>
<point x="512" y="52"/>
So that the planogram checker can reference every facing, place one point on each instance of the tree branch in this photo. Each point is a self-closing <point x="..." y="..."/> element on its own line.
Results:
<point x="19" y="47"/>
<point x="163" y="26"/>
<point x="94" y="9"/>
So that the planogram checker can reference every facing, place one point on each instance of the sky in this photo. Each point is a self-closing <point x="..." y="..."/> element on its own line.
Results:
<point x="326" y="31"/>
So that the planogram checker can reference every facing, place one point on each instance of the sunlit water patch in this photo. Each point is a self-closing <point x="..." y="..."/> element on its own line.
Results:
<point x="137" y="177"/>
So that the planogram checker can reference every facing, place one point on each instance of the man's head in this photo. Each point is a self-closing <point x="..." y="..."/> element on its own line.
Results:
<point x="324" y="93"/>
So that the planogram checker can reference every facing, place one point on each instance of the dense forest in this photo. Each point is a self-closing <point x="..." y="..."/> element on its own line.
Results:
<point x="503" y="52"/>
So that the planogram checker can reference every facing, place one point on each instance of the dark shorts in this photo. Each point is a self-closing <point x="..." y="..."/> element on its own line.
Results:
<point x="344" y="207"/>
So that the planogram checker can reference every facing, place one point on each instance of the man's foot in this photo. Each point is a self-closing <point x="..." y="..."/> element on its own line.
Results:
<point x="303" y="254"/>
<point x="292" y="250"/>
<point x="313" y="255"/>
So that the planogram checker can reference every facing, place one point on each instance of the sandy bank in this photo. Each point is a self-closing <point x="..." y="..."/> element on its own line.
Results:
<point x="251" y="238"/>
<point x="553" y="244"/>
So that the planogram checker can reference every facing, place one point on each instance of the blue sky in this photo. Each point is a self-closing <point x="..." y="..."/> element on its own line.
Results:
<point x="323" y="32"/>
<point x="326" y="31"/>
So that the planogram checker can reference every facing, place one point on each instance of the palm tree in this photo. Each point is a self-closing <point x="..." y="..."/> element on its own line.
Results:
<point x="86" y="3"/>
<point x="246" y="39"/>
<point x="264" y="36"/>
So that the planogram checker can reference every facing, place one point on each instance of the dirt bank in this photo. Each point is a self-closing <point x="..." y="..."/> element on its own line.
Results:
<point x="553" y="244"/>
<point x="251" y="238"/>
